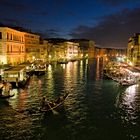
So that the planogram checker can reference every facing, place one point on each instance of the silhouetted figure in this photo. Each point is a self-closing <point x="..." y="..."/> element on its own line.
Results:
<point x="43" y="103"/>
<point x="1" y="89"/>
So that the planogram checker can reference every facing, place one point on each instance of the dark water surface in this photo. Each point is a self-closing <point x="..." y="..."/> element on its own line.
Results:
<point x="96" y="108"/>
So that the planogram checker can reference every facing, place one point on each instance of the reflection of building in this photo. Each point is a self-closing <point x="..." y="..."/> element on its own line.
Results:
<point x="133" y="49"/>
<point x="12" y="47"/>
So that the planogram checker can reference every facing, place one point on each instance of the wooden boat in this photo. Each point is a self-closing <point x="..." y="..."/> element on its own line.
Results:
<point x="39" y="67"/>
<point x="62" y="61"/>
<point x="6" y="96"/>
<point x="40" y="71"/>
<point x="50" y="106"/>
<point x="127" y="82"/>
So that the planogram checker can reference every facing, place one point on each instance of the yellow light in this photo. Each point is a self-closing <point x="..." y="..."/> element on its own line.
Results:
<point x="33" y="57"/>
<point x="130" y="63"/>
<point x="3" y="60"/>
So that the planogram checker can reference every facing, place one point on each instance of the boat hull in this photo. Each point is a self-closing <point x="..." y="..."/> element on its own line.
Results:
<point x="54" y="105"/>
<point x="6" y="96"/>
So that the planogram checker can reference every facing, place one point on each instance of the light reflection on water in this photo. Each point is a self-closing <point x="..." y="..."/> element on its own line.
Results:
<point x="130" y="102"/>
<point x="130" y="95"/>
<point x="96" y="108"/>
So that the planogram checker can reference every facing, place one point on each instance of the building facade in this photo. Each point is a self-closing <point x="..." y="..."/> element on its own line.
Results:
<point x="71" y="50"/>
<point x="86" y="47"/>
<point x="32" y="46"/>
<point x="110" y="53"/>
<point x="20" y="46"/>
<point x="44" y="48"/>
<point x="12" y="46"/>
<point x="62" y="50"/>
<point x="133" y="49"/>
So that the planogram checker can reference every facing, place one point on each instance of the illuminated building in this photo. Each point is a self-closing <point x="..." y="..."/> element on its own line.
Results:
<point x="44" y="50"/>
<point x="19" y="46"/>
<point x="133" y="49"/>
<point x="86" y="47"/>
<point x="12" y="46"/>
<point x="71" y="50"/>
<point x="32" y="46"/>
<point x="62" y="49"/>
<point x="65" y="50"/>
<point x="109" y="52"/>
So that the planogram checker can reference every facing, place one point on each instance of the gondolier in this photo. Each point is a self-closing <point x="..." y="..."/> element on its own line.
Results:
<point x="44" y="103"/>
<point x="1" y="91"/>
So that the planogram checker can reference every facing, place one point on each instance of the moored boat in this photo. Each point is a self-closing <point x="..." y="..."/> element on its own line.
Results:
<point x="6" y="96"/>
<point x="127" y="82"/>
<point x="62" y="61"/>
<point x="6" y="91"/>
<point x="39" y="68"/>
<point x="39" y="72"/>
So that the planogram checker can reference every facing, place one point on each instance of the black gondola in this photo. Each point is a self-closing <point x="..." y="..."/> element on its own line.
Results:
<point x="50" y="106"/>
<point x="6" y="96"/>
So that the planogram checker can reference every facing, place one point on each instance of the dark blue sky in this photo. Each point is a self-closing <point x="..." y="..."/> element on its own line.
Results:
<point x="107" y="22"/>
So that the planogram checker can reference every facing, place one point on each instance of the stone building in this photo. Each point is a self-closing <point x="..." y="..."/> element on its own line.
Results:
<point x="63" y="49"/>
<point x="133" y="49"/>
<point x="86" y="47"/>
<point x="32" y="46"/>
<point x="12" y="46"/>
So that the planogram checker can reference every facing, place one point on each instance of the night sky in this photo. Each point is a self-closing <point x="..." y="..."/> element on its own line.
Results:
<point x="109" y="23"/>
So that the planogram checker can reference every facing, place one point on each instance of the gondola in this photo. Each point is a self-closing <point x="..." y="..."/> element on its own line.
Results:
<point x="6" y="96"/>
<point x="51" y="105"/>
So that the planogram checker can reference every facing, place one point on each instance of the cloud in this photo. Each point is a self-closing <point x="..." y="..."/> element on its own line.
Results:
<point x="49" y="33"/>
<point x="113" y="30"/>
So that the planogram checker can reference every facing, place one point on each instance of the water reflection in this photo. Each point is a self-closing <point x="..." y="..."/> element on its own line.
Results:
<point x="50" y="80"/>
<point x="128" y="104"/>
<point x="130" y="96"/>
<point x="98" y="69"/>
<point x="88" y="112"/>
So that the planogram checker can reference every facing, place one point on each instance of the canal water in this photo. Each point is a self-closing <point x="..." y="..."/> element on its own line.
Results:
<point x="95" y="109"/>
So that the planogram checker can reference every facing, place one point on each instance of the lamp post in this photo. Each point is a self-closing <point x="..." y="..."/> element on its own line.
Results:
<point x="33" y="58"/>
<point x="50" y="58"/>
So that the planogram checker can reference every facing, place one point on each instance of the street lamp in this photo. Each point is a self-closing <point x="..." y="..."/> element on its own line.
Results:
<point x="33" y="58"/>
<point x="50" y="58"/>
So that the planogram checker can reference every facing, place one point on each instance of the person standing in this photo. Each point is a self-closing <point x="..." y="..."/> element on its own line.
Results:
<point x="1" y="89"/>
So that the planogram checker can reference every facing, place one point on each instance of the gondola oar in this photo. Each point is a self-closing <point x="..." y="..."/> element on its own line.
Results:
<point x="53" y="111"/>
